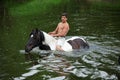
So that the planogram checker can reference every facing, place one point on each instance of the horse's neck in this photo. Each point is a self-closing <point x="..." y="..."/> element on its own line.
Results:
<point x="49" y="40"/>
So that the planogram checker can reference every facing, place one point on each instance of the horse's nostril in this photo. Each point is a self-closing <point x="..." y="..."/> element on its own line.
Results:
<point x="26" y="49"/>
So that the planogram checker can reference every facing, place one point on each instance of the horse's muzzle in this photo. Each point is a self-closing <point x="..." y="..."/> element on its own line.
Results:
<point x="27" y="49"/>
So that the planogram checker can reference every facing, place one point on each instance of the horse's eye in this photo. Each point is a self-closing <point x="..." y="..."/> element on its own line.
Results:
<point x="31" y="36"/>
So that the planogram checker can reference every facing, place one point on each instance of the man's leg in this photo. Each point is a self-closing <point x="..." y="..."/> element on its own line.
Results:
<point x="58" y="47"/>
<point x="60" y="43"/>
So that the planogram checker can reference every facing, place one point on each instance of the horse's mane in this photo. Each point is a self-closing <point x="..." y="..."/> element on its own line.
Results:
<point x="48" y="37"/>
<point x="49" y="40"/>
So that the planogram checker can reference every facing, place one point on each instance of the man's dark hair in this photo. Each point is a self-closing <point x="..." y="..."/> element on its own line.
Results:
<point x="64" y="14"/>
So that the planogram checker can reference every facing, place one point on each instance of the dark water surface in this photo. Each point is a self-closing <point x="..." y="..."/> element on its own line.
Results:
<point x="97" y="22"/>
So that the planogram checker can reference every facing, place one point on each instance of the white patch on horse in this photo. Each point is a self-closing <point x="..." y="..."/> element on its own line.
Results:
<point x="67" y="46"/>
<point x="75" y="37"/>
<point x="51" y="41"/>
<point x="31" y="36"/>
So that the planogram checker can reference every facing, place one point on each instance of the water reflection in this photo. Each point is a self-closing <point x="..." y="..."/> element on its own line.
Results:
<point x="96" y="63"/>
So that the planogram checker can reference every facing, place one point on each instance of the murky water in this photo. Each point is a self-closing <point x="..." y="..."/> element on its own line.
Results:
<point x="99" y="62"/>
<point x="100" y="27"/>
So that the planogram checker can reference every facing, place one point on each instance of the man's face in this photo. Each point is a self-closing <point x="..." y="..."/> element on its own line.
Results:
<point x="63" y="18"/>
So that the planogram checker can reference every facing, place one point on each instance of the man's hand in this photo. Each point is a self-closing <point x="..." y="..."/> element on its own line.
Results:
<point x="50" y="33"/>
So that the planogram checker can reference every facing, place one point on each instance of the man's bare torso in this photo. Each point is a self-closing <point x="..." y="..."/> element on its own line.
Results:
<point x="62" y="28"/>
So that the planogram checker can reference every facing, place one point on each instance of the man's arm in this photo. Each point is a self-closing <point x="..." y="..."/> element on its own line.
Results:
<point x="63" y="32"/>
<point x="53" y="32"/>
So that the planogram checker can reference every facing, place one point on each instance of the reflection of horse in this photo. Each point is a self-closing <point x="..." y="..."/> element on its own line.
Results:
<point x="47" y="42"/>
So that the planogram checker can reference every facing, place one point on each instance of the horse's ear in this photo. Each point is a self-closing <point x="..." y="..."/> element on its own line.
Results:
<point x="36" y="30"/>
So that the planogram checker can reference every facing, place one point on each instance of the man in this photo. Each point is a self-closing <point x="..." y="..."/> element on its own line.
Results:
<point x="61" y="31"/>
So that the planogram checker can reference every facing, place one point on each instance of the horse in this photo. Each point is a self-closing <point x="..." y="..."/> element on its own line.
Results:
<point x="44" y="41"/>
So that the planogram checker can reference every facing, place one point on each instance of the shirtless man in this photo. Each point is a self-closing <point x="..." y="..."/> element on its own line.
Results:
<point x="61" y="31"/>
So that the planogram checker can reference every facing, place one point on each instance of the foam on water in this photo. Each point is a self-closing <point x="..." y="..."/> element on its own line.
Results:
<point x="25" y="75"/>
<point x="93" y="63"/>
<point x="103" y="75"/>
<point x="33" y="71"/>
<point x="58" y="78"/>
<point x="35" y="67"/>
<point x="30" y="73"/>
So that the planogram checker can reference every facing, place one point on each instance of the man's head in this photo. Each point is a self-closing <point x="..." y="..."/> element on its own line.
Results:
<point x="64" y="17"/>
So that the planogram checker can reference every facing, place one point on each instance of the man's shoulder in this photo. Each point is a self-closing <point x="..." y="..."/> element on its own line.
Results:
<point x="60" y="23"/>
<point x="67" y="23"/>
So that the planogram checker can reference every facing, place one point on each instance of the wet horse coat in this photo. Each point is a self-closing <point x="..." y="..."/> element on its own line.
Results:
<point x="47" y="42"/>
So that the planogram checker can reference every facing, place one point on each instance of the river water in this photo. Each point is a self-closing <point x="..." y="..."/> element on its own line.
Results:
<point x="99" y="25"/>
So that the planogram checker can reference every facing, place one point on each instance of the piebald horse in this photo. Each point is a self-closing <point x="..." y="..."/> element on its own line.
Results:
<point x="44" y="41"/>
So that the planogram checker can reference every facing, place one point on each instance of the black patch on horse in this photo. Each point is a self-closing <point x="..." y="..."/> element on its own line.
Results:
<point x="74" y="44"/>
<point x="78" y="43"/>
<point x="41" y="35"/>
<point x="41" y="45"/>
<point x="44" y="47"/>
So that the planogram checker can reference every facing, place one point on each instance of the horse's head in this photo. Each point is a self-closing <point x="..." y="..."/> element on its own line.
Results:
<point x="35" y="39"/>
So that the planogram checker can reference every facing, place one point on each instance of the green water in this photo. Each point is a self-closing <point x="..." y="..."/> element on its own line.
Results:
<point x="96" y="21"/>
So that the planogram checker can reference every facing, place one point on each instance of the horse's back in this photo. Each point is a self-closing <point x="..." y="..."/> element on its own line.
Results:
<point x="67" y="46"/>
<point x="82" y="43"/>
<point x="78" y="43"/>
